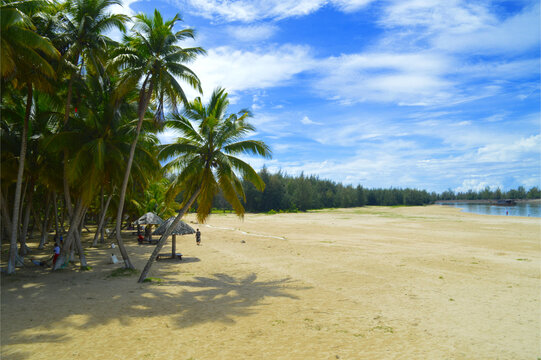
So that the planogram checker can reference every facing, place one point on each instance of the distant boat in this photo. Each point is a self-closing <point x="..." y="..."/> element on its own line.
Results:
<point x="505" y="203"/>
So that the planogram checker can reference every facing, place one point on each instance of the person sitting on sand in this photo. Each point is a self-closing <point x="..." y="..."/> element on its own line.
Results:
<point x="41" y="263"/>
<point x="198" y="237"/>
<point x="140" y="238"/>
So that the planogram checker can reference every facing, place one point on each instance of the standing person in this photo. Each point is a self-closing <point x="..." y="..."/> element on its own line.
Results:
<point x="198" y="237"/>
<point x="148" y="233"/>
<point x="56" y="250"/>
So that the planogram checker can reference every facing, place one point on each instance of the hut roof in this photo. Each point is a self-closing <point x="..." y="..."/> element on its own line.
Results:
<point x="149" y="218"/>
<point x="181" y="229"/>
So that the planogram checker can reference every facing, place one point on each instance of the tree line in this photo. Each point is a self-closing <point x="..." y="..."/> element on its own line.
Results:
<point x="300" y="193"/>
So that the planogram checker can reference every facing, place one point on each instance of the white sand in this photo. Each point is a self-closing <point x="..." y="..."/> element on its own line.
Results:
<point x="369" y="283"/>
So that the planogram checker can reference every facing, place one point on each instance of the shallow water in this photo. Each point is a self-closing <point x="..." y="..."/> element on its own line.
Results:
<point x="521" y="209"/>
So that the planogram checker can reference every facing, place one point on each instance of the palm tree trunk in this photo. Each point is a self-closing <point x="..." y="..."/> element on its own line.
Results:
<point x="21" y="208"/>
<point x="18" y="186"/>
<point x="55" y="208"/>
<point x="102" y="220"/>
<point x="45" y="223"/>
<point x="70" y="237"/>
<point x="24" y="248"/>
<point x="6" y="221"/>
<point x="62" y="219"/>
<point x="79" y="243"/>
<point x="164" y="237"/>
<point x="143" y="104"/>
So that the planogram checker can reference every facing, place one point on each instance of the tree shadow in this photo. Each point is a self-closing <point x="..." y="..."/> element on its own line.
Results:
<point x="52" y="298"/>
<point x="185" y="260"/>
<point x="222" y="297"/>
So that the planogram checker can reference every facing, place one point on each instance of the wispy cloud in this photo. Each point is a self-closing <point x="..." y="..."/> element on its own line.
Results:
<point x="254" y="10"/>
<point x="252" y="33"/>
<point x="307" y="121"/>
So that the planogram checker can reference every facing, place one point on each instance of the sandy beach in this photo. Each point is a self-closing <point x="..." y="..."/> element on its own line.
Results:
<point x="365" y="283"/>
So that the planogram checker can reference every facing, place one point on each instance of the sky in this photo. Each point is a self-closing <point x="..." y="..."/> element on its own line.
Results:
<point x="425" y="94"/>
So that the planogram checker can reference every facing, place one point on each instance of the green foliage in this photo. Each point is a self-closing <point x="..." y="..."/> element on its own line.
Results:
<point x="153" y="279"/>
<point x="205" y="156"/>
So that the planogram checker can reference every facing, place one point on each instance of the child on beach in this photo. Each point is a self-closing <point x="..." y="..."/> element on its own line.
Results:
<point x="56" y="250"/>
<point x="198" y="237"/>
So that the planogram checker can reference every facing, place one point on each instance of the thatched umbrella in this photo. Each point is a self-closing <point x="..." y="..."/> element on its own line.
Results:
<point x="181" y="229"/>
<point x="149" y="219"/>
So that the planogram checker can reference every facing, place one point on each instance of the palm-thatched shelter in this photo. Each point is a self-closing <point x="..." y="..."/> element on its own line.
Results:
<point x="181" y="229"/>
<point x="149" y="219"/>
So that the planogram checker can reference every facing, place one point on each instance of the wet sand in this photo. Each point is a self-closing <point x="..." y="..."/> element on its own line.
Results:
<point x="366" y="283"/>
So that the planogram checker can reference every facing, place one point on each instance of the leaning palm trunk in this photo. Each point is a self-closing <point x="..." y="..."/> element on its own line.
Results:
<point x="102" y="221"/>
<point x="164" y="237"/>
<point x="18" y="186"/>
<point x="143" y="104"/>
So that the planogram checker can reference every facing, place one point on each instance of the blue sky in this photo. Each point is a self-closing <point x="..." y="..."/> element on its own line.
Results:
<point x="427" y="94"/>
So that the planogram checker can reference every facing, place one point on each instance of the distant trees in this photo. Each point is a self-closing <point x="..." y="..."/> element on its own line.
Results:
<point x="300" y="193"/>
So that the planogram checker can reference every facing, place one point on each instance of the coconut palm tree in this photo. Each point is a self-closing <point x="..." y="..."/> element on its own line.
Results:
<point x="83" y="27"/>
<point x="152" y="57"/>
<point x="25" y="59"/>
<point x="98" y="139"/>
<point x="206" y="161"/>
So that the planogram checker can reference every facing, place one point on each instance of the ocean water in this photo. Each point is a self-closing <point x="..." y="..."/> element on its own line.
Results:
<point x="521" y="209"/>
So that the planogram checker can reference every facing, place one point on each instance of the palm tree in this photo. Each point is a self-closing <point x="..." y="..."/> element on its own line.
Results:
<point x="98" y="138"/>
<point x="19" y="40"/>
<point x="151" y="56"/>
<point x="25" y="59"/>
<point x="83" y="26"/>
<point x="206" y="161"/>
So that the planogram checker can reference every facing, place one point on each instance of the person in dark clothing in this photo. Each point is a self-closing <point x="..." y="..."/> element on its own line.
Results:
<point x="198" y="237"/>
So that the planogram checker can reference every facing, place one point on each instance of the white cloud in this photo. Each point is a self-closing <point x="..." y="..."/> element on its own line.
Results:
<point x="513" y="35"/>
<point x="254" y="10"/>
<point x="168" y="136"/>
<point x="508" y="152"/>
<point x="476" y="185"/>
<point x="239" y="70"/>
<point x="409" y="78"/>
<point x="252" y="33"/>
<point x="461" y="26"/>
<point x="306" y="121"/>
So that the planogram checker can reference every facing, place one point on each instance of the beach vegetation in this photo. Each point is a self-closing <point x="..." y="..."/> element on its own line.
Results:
<point x="122" y="272"/>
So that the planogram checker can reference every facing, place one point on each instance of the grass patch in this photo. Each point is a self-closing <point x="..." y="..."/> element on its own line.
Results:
<point x="153" y="279"/>
<point x="523" y="260"/>
<point x="383" y="328"/>
<point x="120" y="272"/>
<point x="86" y="268"/>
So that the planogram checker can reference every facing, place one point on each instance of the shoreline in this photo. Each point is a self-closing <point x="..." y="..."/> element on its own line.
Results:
<point x="487" y="202"/>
